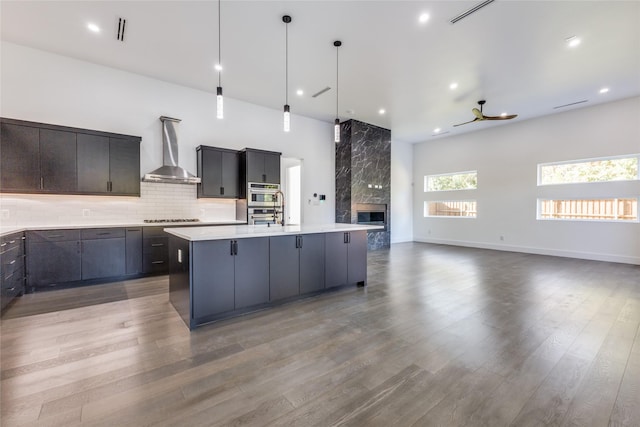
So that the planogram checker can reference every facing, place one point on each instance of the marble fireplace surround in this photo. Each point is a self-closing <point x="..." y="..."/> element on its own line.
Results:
<point x="363" y="175"/>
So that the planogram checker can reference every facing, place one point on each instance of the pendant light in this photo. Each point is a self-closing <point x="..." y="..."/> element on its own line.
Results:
<point x="219" y="99"/>
<point x="336" y="126"/>
<point x="287" y="113"/>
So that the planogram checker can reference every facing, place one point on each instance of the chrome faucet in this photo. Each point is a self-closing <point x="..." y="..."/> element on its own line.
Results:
<point x="275" y="211"/>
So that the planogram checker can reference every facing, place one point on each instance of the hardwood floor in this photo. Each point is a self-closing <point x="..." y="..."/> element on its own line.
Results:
<point x="441" y="336"/>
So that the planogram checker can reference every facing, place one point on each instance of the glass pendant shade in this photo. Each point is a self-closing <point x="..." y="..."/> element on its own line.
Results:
<point x="287" y="119"/>
<point x="220" y="104"/>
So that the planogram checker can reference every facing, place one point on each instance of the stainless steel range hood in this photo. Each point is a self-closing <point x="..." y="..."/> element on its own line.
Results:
<point x="170" y="171"/>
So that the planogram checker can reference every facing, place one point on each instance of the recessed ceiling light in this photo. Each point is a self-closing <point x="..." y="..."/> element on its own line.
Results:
<point x="604" y="90"/>
<point x="424" y="17"/>
<point x="218" y="67"/>
<point x="299" y="92"/>
<point x="382" y="111"/>
<point x="453" y="86"/>
<point x="573" y="41"/>
<point x="93" y="27"/>
<point x="437" y="130"/>
<point x="503" y="115"/>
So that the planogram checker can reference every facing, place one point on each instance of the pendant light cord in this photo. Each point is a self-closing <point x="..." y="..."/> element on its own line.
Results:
<point x="337" y="81"/>
<point x="286" y="64"/>
<point x="219" y="47"/>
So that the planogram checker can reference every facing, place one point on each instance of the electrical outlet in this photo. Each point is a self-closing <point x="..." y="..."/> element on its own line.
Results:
<point x="86" y="212"/>
<point x="5" y="214"/>
<point x="502" y="238"/>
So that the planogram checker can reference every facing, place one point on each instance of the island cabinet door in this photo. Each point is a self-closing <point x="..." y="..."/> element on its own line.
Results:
<point x="212" y="278"/>
<point x="336" y="259"/>
<point x="311" y="263"/>
<point x="357" y="247"/>
<point x="252" y="272"/>
<point x="284" y="267"/>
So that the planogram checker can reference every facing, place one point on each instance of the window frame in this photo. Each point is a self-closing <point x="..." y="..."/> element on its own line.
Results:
<point x="426" y="181"/>
<point x="425" y="209"/>
<point x="593" y="159"/>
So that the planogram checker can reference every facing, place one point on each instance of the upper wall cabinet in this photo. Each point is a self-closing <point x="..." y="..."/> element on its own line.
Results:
<point x="219" y="169"/>
<point x="262" y="166"/>
<point x="42" y="158"/>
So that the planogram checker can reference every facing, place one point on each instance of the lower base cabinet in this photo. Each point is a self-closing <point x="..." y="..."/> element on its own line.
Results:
<point x="346" y="258"/>
<point x="53" y="258"/>
<point x="12" y="279"/>
<point x="227" y="275"/>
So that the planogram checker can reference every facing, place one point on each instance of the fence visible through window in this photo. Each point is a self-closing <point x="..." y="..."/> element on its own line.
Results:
<point x="590" y="209"/>
<point x="458" y="208"/>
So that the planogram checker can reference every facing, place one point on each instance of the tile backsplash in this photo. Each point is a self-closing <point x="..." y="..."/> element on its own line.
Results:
<point x="156" y="201"/>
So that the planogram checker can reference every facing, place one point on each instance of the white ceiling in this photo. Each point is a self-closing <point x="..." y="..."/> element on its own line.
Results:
<point x="512" y="53"/>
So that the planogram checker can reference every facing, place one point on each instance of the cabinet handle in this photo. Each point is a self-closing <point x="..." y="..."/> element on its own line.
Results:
<point x="157" y="262"/>
<point x="235" y="247"/>
<point x="222" y="191"/>
<point x="54" y="236"/>
<point x="301" y="240"/>
<point x="11" y="242"/>
<point x="3" y="245"/>
<point x="231" y="246"/>
<point x="106" y="233"/>
<point x="155" y="245"/>
<point x="134" y="229"/>
<point x="11" y="289"/>
<point x="12" y="262"/>
<point x="41" y="183"/>
<point x="344" y="239"/>
<point x="264" y="178"/>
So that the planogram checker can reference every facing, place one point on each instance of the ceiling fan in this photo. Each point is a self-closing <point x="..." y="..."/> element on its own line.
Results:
<point x="480" y="117"/>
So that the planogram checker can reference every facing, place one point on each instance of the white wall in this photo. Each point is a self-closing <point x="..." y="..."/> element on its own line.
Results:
<point x="506" y="158"/>
<point x="49" y="88"/>
<point x="401" y="191"/>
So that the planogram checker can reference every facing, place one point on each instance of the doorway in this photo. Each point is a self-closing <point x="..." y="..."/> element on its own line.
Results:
<point x="292" y="188"/>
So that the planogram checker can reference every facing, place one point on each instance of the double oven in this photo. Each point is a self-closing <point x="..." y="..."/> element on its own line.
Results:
<point x="264" y="203"/>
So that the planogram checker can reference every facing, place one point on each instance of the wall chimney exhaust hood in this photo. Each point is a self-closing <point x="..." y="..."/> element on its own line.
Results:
<point x="170" y="172"/>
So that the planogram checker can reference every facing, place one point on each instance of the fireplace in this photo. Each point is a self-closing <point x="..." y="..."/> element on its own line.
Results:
<point x="372" y="214"/>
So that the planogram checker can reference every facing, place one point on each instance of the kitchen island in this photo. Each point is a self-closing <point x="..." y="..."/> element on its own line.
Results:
<point x="222" y="272"/>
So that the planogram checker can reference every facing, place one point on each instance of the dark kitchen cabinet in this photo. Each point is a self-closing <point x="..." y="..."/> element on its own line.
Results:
<point x="53" y="258"/>
<point x="133" y="250"/>
<point x="262" y="166"/>
<point x="251" y="272"/>
<point x="43" y="158"/>
<point x="284" y="267"/>
<point x="155" y="250"/>
<point x="213" y="278"/>
<point x="11" y="268"/>
<point x="296" y="265"/>
<point x="345" y="258"/>
<point x="57" y="161"/>
<point x="108" y="165"/>
<point x="37" y="160"/>
<point x="20" y="159"/>
<point x="103" y="253"/>
<point x="219" y="170"/>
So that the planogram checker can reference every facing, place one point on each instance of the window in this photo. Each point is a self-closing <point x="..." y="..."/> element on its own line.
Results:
<point x="618" y="168"/>
<point x="589" y="209"/>
<point x="451" y="181"/>
<point x="451" y="208"/>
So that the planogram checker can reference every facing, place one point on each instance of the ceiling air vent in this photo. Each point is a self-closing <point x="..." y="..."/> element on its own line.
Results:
<point x="121" y="26"/>
<point x="317" y="94"/>
<point x="569" y="105"/>
<point x="470" y="11"/>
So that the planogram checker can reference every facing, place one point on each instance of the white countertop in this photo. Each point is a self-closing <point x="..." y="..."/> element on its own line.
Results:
<point x="248" y="231"/>
<point x="17" y="228"/>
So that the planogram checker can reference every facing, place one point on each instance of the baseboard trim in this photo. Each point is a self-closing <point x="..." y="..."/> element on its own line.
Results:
<point x="594" y="256"/>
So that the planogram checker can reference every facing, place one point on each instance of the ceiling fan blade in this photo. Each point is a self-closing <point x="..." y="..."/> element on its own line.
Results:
<point x="478" y="114"/>
<point x="466" y="123"/>
<point x="512" y="116"/>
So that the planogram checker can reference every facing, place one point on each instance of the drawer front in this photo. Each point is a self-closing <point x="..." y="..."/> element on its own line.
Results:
<point x="155" y="264"/>
<point x="14" y="283"/>
<point x="155" y="245"/>
<point x="11" y="242"/>
<point x="148" y="232"/>
<point x="102" y="233"/>
<point x="11" y="262"/>
<point x="53" y="235"/>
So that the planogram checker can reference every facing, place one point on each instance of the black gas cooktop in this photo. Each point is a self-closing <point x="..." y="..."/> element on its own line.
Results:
<point x="153" y="221"/>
